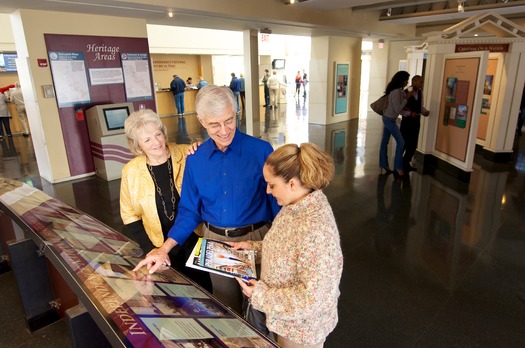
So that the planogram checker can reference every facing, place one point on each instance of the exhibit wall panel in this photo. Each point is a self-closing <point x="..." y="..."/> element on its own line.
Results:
<point x="29" y="39"/>
<point x="490" y="96"/>
<point x="462" y="83"/>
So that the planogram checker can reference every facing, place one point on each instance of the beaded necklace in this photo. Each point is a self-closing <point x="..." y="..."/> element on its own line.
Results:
<point x="159" y="191"/>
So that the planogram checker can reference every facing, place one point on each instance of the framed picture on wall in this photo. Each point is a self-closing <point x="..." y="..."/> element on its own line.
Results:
<point x="341" y="88"/>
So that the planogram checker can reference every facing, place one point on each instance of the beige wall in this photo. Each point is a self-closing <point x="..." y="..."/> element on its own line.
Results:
<point x="6" y="39"/>
<point x="206" y="69"/>
<point x="167" y="65"/>
<point x="397" y="52"/>
<point x="43" y="113"/>
<point x="326" y="51"/>
<point x="7" y="79"/>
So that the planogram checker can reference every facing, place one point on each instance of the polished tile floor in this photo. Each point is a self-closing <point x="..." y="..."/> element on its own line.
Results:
<point x="428" y="262"/>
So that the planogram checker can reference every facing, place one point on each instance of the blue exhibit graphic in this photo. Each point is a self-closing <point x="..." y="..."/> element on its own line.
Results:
<point x="341" y="88"/>
<point x="8" y="62"/>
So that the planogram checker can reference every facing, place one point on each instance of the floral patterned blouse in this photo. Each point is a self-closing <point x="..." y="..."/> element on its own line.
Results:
<point x="302" y="264"/>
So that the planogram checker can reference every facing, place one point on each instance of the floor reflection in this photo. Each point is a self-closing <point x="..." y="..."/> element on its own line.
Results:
<point x="425" y="264"/>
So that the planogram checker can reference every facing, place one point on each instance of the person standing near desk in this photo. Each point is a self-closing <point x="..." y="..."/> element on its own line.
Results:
<point x="224" y="187"/>
<point x="202" y="82"/>
<point x="4" y="117"/>
<point x="189" y="83"/>
<point x="178" y="86"/>
<point x="17" y="98"/>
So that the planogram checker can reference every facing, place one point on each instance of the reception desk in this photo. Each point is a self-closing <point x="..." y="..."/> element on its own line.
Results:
<point x="166" y="103"/>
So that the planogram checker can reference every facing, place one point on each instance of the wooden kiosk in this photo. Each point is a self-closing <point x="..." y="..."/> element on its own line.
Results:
<point x="474" y="80"/>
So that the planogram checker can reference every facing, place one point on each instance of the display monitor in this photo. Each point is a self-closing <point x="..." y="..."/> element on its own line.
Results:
<point x="278" y="64"/>
<point x="107" y="119"/>
<point x="115" y="117"/>
<point x="8" y="61"/>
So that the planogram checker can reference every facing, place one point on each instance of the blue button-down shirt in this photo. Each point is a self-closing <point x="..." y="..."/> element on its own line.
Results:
<point x="226" y="189"/>
<point x="235" y="84"/>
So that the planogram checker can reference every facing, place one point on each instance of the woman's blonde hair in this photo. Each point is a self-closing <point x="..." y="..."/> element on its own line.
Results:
<point x="313" y="167"/>
<point x="136" y="122"/>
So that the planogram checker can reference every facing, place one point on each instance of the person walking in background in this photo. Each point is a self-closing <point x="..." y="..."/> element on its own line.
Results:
<point x="178" y="86"/>
<point x="223" y="187"/>
<point x="273" y="84"/>
<point x="243" y="91"/>
<point x="298" y="82"/>
<point x="411" y="121"/>
<point x="264" y="80"/>
<point x="397" y="99"/>
<point x="305" y="82"/>
<point x="201" y="83"/>
<point x="235" y="86"/>
<point x="4" y="116"/>
<point x="17" y="98"/>
<point x="150" y="190"/>
<point x="302" y="261"/>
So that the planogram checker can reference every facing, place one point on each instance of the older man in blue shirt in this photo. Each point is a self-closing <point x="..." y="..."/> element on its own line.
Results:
<point x="223" y="187"/>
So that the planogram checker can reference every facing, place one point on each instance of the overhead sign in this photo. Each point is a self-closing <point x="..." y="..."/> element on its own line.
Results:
<point x="482" y="47"/>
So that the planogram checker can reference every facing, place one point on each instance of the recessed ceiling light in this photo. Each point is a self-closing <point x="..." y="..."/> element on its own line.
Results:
<point x="170" y="14"/>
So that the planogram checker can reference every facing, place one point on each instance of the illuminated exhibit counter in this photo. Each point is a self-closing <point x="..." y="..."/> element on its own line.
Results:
<point x="166" y="103"/>
<point x="131" y="309"/>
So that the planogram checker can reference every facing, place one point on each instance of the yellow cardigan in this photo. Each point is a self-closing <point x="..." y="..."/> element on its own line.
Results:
<point x="137" y="192"/>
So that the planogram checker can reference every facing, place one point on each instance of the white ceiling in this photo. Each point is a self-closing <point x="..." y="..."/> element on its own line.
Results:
<point x="305" y="17"/>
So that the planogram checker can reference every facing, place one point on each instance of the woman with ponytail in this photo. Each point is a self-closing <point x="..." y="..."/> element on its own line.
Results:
<point x="302" y="261"/>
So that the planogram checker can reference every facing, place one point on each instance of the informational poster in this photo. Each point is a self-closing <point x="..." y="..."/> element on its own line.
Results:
<point x="455" y="114"/>
<point x="70" y="79"/>
<point x="105" y="76"/>
<point x="136" y="76"/>
<point x="341" y="88"/>
<point x="488" y="96"/>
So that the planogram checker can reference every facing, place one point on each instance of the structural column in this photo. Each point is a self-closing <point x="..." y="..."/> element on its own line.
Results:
<point x="251" y="82"/>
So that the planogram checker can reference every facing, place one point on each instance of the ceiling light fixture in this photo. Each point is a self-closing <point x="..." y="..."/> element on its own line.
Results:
<point x="170" y="14"/>
<point x="461" y="6"/>
<point x="389" y="12"/>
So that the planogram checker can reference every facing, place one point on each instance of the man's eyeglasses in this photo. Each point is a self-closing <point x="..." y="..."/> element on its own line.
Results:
<point x="216" y="126"/>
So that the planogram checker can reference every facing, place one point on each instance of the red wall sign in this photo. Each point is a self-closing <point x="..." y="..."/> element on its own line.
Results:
<point x="42" y="63"/>
<point x="482" y="47"/>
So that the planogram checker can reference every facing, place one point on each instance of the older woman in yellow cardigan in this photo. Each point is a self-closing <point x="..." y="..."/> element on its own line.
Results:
<point x="150" y="189"/>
